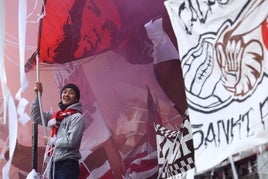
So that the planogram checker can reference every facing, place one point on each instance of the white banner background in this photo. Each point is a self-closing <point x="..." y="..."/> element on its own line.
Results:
<point x="224" y="62"/>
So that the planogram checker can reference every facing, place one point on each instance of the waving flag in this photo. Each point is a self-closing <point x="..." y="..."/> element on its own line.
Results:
<point x="175" y="149"/>
<point x="109" y="35"/>
<point x="167" y="66"/>
<point x="142" y="160"/>
<point x="96" y="165"/>
<point x="72" y="30"/>
<point x="224" y="65"/>
<point x="80" y="29"/>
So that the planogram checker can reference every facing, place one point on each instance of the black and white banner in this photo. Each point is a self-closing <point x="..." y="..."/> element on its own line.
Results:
<point x="223" y="51"/>
<point x="174" y="149"/>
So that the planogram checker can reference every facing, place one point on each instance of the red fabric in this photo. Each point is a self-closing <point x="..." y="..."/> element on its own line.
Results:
<point x="96" y="163"/>
<point x="107" y="175"/>
<point x="264" y="28"/>
<point x="59" y="116"/>
<point x="139" y="152"/>
<point x="72" y="30"/>
<point x="140" y="160"/>
<point x="144" y="165"/>
<point x="169" y="76"/>
<point x="83" y="172"/>
<point x="153" y="116"/>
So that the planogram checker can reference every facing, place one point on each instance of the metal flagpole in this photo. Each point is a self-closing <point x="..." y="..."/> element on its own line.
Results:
<point x="34" y="145"/>
<point x="39" y="97"/>
<point x="35" y="125"/>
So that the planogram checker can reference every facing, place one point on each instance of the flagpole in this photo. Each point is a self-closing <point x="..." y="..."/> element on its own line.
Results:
<point x="39" y="97"/>
<point x="35" y="124"/>
<point x="34" y="145"/>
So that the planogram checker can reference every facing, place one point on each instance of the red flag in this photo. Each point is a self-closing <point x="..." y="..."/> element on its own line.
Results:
<point x="153" y="109"/>
<point x="97" y="165"/>
<point x="71" y="30"/>
<point x="153" y="116"/>
<point x="142" y="160"/>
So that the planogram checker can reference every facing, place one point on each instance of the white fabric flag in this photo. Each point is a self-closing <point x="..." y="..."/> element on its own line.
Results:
<point x="10" y="114"/>
<point x="23" y="117"/>
<point x="223" y="49"/>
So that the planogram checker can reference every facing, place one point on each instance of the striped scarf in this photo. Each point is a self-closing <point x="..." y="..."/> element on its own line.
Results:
<point x="59" y="116"/>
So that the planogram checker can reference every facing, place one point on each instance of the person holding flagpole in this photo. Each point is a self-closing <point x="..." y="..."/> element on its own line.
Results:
<point x="67" y="126"/>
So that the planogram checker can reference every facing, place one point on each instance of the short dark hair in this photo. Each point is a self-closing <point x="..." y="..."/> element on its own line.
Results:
<point x="74" y="87"/>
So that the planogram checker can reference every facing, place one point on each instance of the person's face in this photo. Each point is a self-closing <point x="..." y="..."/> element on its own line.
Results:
<point x="68" y="96"/>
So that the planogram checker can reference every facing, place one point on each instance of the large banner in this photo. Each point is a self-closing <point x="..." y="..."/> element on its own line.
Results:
<point x="223" y="51"/>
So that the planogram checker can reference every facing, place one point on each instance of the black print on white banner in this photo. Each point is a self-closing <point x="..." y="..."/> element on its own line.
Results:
<point x="193" y="11"/>
<point x="226" y="64"/>
<point x="223" y="131"/>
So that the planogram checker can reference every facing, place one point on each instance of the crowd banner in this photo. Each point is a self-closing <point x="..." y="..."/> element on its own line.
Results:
<point x="223" y="52"/>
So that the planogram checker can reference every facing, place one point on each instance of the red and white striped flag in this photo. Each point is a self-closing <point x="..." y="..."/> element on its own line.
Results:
<point x="96" y="166"/>
<point x="141" y="162"/>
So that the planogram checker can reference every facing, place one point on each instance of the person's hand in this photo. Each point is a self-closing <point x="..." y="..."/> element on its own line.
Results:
<point x="45" y="139"/>
<point x="49" y="140"/>
<point x="52" y="140"/>
<point x="38" y="87"/>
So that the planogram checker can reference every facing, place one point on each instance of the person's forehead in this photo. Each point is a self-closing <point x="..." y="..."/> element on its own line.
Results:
<point x="69" y="89"/>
